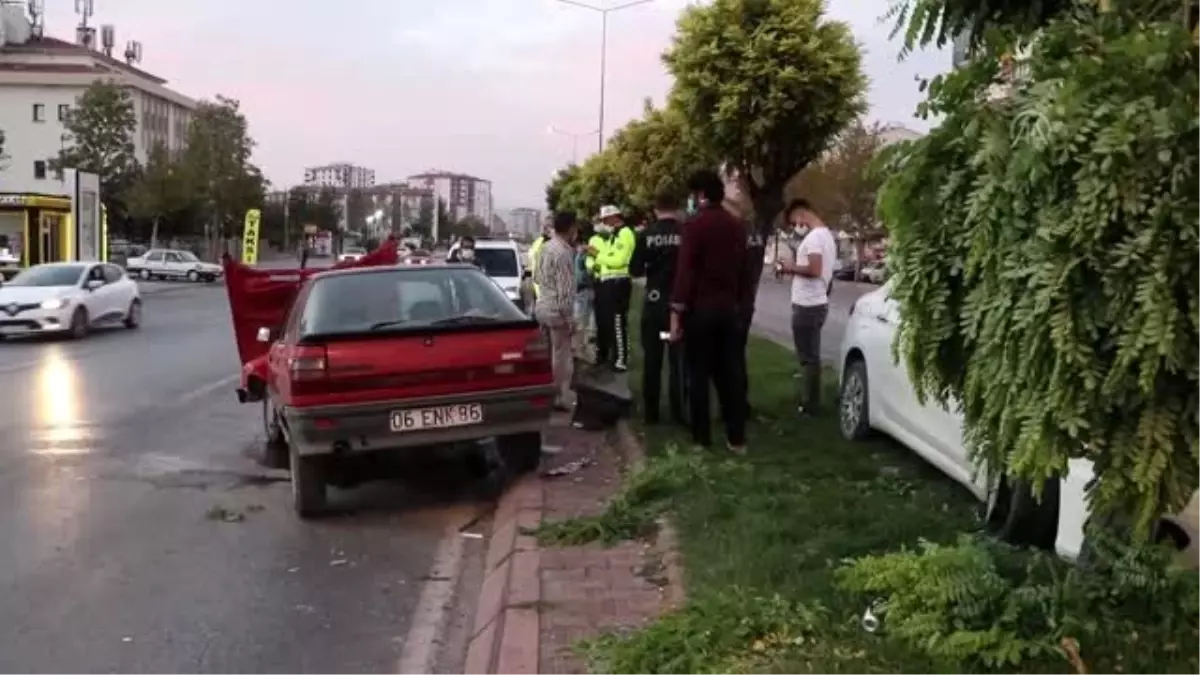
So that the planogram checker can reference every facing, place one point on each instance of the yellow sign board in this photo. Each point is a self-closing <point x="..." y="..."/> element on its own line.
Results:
<point x="250" y="238"/>
<point x="310" y="229"/>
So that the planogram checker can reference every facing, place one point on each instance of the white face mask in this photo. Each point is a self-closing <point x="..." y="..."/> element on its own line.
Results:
<point x="604" y="229"/>
<point x="467" y="254"/>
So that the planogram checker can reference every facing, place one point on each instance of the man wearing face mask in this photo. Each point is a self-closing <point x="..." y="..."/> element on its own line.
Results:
<point x="465" y="252"/>
<point x="614" y="290"/>
<point x="812" y="276"/>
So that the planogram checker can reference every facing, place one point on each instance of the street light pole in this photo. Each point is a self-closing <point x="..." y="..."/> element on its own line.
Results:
<point x="604" y="12"/>
<point x="574" y="140"/>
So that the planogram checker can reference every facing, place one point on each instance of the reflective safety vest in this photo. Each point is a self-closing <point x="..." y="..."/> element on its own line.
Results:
<point x="614" y="258"/>
<point x="598" y="242"/>
<point x="534" y="250"/>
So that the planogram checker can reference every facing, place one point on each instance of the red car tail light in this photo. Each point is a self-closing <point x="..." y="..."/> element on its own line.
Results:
<point x="538" y="348"/>
<point x="308" y="364"/>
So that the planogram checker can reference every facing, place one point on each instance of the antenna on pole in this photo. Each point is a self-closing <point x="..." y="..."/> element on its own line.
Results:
<point x="37" y="13"/>
<point x="85" y="35"/>
<point x="108" y="37"/>
<point x="133" y="52"/>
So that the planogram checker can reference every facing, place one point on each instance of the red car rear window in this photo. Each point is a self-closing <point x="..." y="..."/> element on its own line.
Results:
<point x="399" y="299"/>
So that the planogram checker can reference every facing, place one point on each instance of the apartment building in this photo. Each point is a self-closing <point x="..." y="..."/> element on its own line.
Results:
<point x="464" y="195"/>
<point x="42" y="77"/>
<point x="343" y="175"/>
<point x="524" y="221"/>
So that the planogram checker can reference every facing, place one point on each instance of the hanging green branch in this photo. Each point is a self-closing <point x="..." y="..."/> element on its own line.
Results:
<point x="1046" y="249"/>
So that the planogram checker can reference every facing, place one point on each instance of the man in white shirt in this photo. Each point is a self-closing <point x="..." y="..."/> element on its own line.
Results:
<point x="812" y="276"/>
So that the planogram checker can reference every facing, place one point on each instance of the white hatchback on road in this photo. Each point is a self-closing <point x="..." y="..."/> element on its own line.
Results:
<point x="162" y="263"/>
<point x="877" y="394"/>
<point x="68" y="298"/>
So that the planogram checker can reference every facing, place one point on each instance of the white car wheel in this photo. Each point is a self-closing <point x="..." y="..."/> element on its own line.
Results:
<point x="133" y="318"/>
<point x="145" y="275"/>
<point x="854" y="412"/>
<point x="193" y="276"/>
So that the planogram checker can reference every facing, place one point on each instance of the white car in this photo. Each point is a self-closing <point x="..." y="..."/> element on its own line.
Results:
<point x="352" y="254"/>
<point x="501" y="260"/>
<point x="164" y="263"/>
<point x="68" y="298"/>
<point x="877" y="394"/>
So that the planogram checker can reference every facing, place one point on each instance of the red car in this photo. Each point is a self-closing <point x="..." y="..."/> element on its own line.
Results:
<point x="377" y="358"/>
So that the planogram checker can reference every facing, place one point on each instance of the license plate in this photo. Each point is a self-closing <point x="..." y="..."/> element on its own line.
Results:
<point x="440" y="417"/>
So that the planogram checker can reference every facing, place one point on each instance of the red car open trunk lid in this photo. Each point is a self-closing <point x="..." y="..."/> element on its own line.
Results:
<point x="262" y="297"/>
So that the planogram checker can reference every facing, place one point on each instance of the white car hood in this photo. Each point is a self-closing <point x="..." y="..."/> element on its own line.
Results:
<point x="26" y="294"/>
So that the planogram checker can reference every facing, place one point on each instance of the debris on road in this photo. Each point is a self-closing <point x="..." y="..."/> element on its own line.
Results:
<point x="338" y="562"/>
<point x="569" y="468"/>
<point x="222" y="514"/>
<point x="470" y="535"/>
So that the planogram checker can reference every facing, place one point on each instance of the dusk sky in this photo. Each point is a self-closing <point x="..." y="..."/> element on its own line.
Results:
<point x="402" y="86"/>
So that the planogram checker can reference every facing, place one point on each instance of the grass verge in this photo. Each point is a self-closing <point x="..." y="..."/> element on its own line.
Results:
<point x="766" y="541"/>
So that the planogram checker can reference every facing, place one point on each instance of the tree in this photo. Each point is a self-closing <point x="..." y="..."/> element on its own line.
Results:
<point x="655" y="153"/>
<point x="218" y="165"/>
<point x="160" y="190"/>
<point x="327" y="210"/>
<point x="766" y="85"/>
<point x="99" y="138"/>
<point x="1045" y="246"/>
<point x="359" y="205"/>
<point x="423" y="227"/>
<point x="469" y="226"/>
<point x="596" y="183"/>
<point x="842" y="185"/>
<point x="561" y="179"/>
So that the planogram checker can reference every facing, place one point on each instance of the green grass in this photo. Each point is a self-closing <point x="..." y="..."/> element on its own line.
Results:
<point x="763" y="537"/>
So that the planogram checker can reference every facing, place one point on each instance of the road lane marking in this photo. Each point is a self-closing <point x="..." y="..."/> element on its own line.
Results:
<point x="207" y="389"/>
<point x="428" y="620"/>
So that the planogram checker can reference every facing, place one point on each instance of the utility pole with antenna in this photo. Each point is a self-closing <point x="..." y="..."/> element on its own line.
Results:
<point x="85" y="35"/>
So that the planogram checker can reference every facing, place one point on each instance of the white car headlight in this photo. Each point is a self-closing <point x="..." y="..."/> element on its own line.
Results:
<point x="54" y="303"/>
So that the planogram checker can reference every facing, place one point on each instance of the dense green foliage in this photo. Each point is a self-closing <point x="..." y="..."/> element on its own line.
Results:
<point x="762" y="88"/>
<point x="1045" y="244"/>
<point x="99" y="138"/>
<point x="979" y="605"/>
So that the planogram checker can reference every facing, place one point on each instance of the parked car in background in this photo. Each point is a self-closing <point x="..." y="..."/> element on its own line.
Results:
<point x="501" y="260"/>
<point x="418" y="257"/>
<point x="351" y="253"/>
<point x="877" y="395"/>
<point x="68" y="299"/>
<point x="165" y="263"/>
<point x="400" y="360"/>
<point x="874" y="272"/>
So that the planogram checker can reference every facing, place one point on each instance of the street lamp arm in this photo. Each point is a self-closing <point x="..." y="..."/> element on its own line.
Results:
<point x="587" y="6"/>
<point x="627" y="5"/>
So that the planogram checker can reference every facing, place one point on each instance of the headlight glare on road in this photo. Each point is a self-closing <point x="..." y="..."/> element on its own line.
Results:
<point x="54" y="303"/>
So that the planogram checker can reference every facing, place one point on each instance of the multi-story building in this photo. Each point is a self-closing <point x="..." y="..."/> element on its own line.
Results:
<point x="894" y="133"/>
<point x="464" y="195"/>
<point x="339" y="175"/>
<point x="525" y="221"/>
<point x="42" y="77"/>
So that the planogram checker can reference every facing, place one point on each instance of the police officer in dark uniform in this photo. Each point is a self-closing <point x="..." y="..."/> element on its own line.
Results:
<point x="654" y="258"/>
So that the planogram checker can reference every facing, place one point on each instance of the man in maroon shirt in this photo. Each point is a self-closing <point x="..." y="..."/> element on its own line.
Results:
<point x="711" y="288"/>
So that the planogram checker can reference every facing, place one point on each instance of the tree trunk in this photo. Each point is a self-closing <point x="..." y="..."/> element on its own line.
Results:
<point x="768" y="202"/>
<point x="154" y="232"/>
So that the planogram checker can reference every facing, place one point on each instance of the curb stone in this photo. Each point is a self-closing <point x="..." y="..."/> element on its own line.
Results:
<point x="506" y="633"/>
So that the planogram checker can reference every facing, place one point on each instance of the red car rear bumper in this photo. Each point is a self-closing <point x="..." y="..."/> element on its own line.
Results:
<point x="366" y="427"/>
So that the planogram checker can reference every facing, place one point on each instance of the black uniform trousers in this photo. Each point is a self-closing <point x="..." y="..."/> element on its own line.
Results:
<point x="612" y="320"/>
<point x="714" y="351"/>
<point x="743" y="384"/>
<point x="656" y="320"/>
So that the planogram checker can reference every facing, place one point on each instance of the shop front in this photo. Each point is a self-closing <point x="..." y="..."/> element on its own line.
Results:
<point x="40" y="228"/>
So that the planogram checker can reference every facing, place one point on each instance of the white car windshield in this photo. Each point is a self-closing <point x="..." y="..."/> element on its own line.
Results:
<point x="49" y="275"/>
<point x="497" y="262"/>
<point x="187" y="256"/>
<point x="399" y="299"/>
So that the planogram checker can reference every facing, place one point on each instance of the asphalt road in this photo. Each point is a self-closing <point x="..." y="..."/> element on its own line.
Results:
<point x="773" y="313"/>
<point x="140" y="536"/>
